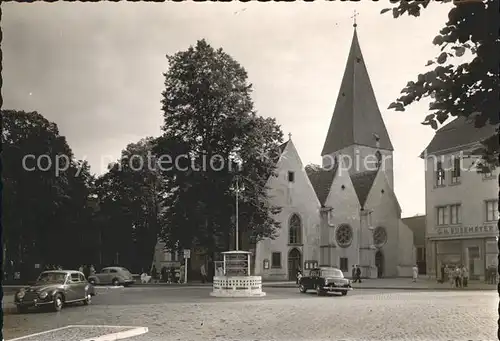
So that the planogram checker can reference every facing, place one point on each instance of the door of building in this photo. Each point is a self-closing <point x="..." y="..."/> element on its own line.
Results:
<point x="294" y="262"/>
<point x="379" y="263"/>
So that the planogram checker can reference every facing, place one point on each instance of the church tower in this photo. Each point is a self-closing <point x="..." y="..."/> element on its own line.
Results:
<point x="357" y="132"/>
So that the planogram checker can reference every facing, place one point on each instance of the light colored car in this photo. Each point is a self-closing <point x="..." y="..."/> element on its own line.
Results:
<point x="114" y="275"/>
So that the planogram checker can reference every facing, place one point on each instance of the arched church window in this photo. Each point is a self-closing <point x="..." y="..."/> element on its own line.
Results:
<point x="295" y="230"/>
<point x="379" y="237"/>
<point x="343" y="235"/>
<point x="379" y="159"/>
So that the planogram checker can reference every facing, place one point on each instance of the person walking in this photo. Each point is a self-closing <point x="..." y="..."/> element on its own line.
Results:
<point x="203" y="273"/>
<point x="415" y="273"/>
<point x="465" y="276"/>
<point x="358" y="274"/>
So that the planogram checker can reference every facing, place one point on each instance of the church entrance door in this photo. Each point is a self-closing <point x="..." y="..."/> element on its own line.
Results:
<point x="294" y="261"/>
<point x="379" y="263"/>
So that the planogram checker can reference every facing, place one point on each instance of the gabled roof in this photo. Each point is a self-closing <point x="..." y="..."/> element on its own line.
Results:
<point x="356" y="118"/>
<point x="417" y="225"/>
<point x="363" y="183"/>
<point x="459" y="132"/>
<point x="281" y="149"/>
<point x="321" y="181"/>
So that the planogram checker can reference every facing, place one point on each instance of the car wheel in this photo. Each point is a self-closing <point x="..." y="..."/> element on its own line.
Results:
<point x="21" y="309"/>
<point x="344" y="293"/>
<point x="302" y="288"/>
<point x="58" y="302"/>
<point x="87" y="299"/>
<point x="115" y="282"/>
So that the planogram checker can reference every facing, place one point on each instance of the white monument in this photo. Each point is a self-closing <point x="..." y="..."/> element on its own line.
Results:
<point x="233" y="277"/>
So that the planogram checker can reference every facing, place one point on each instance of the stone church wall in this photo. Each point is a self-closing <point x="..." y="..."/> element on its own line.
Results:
<point x="299" y="198"/>
<point x="345" y="205"/>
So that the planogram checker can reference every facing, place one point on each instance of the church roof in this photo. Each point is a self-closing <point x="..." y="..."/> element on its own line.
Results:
<point x="457" y="133"/>
<point x="281" y="149"/>
<point x="356" y="118"/>
<point x="321" y="181"/>
<point x="363" y="183"/>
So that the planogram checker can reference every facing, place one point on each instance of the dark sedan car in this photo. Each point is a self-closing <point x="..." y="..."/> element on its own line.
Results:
<point x="54" y="289"/>
<point x="324" y="280"/>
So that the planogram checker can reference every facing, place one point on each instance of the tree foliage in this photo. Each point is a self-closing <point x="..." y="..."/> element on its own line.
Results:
<point x="130" y="206"/>
<point x="460" y="88"/>
<point x="43" y="207"/>
<point x="211" y="136"/>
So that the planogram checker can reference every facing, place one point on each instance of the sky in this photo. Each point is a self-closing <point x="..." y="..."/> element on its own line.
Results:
<point x="96" y="69"/>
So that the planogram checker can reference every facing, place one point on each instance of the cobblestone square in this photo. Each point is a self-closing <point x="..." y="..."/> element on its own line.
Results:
<point x="284" y="315"/>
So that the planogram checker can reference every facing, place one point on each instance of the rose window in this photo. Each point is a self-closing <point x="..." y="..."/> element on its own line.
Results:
<point x="343" y="235"/>
<point x="379" y="237"/>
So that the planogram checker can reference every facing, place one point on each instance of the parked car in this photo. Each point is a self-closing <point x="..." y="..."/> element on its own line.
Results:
<point x="324" y="280"/>
<point x="114" y="275"/>
<point x="54" y="289"/>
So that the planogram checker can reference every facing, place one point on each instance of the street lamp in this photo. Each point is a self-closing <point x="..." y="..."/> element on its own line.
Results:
<point x="237" y="189"/>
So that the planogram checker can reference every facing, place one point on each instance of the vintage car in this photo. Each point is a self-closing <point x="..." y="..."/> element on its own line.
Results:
<point x="54" y="289"/>
<point x="113" y="275"/>
<point x="324" y="280"/>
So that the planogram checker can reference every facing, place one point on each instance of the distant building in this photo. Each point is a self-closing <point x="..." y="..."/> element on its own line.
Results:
<point x="461" y="204"/>
<point x="417" y="225"/>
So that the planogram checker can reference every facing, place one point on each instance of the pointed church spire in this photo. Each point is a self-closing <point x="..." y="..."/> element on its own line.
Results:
<point x="356" y="117"/>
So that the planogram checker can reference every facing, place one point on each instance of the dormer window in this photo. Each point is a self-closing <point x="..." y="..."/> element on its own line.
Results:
<point x="291" y="176"/>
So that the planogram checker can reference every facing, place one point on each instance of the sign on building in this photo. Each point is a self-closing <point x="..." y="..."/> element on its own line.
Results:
<point x="465" y="230"/>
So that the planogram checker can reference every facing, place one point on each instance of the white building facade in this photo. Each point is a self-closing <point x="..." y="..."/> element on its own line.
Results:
<point x="461" y="204"/>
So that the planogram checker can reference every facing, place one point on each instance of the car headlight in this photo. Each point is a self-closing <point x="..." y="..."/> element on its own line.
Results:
<point x="20" y="294"/>
<point x="43" y="295"/>
<point x="326" y="281"/>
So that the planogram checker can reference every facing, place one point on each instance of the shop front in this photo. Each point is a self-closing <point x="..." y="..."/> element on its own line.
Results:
<point x="477" y="254"/>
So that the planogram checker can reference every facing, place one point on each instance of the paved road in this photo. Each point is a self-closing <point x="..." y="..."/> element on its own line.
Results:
<point x="284" y="314"/>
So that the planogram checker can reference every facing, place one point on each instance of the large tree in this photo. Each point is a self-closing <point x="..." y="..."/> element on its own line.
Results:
<point x="130" y="203"/>
<point x="457" y="87"/>
<point x="44" y="206"/>
<point x="212" y="137"/>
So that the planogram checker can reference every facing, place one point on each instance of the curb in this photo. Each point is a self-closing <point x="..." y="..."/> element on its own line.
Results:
<point x="284" y="286"/>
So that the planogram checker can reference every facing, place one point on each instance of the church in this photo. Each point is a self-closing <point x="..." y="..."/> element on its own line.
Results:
<point x="344" y="213"/>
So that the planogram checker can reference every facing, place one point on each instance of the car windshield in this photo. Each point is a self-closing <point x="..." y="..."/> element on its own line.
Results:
<point x="51" y="277"/>
<point x="332" y="273"/>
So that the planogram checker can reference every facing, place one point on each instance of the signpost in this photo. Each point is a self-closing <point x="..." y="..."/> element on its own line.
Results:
<point x="187" y="255"/>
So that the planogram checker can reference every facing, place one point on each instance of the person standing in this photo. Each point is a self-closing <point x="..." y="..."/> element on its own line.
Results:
<point x="465" y="276"/>
<point x="80" y="268"/>
<point x="458" y="276"/>
<point x="443" y="279"/>
<point x="92" y="270"/>
<point x="203" y="273"/>
<point x="353" y="273"/>
<point x="415" y="273"/>
<point x="154" y="273"/>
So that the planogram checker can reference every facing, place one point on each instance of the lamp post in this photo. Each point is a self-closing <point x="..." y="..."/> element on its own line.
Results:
<point x="237" y="190"/>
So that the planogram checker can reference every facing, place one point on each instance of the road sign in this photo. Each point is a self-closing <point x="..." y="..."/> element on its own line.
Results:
<point x="187" y="253"/>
